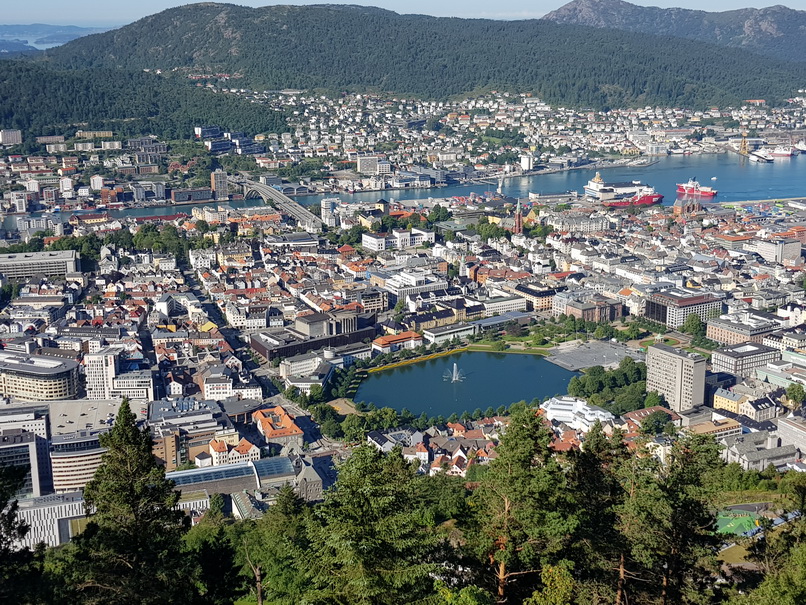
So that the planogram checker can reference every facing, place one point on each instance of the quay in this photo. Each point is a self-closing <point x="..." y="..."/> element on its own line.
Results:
<point x="778" y="200"/>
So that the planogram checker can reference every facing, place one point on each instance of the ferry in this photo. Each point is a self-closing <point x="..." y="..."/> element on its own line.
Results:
<point x="760" y="156"/>
<point x="693" y="187"/>
<point x="601" y="191"/>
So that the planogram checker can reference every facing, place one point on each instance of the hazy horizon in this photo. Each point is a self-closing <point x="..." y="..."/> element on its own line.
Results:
<point x="89" y="13"/>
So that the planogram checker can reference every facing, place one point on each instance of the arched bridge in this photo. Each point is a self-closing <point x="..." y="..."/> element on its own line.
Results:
<point x="306" y="219"/>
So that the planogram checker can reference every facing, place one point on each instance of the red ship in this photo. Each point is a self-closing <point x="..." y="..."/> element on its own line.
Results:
<point x="694" y="188"/>
<point x="646" y="197"/>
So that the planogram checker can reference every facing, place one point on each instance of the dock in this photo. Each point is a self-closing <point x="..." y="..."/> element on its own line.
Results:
<point x="780" y="200"/>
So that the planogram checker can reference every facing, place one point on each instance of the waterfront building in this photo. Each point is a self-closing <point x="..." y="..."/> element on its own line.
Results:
<point x="677" y="375"/>
<point x="219" y="185"/>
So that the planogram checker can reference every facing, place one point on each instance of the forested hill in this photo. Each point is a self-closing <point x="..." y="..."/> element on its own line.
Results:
<point x="776" y="31"/>
<point x="367" y="49"/>
<point x="41" y="101"/>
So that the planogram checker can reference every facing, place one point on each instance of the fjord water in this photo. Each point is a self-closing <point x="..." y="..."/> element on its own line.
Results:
<point x="490" y="379"/>
<point x="738" y="179"/>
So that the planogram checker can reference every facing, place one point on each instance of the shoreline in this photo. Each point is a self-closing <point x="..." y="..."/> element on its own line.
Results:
<point x="405" y="362"/>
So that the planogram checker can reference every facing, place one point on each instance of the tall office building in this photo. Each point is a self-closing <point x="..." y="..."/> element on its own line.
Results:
<point x="74" y="458"/>
<point x="32" y="419"/>
<point x="328" y="211"/>
<point x="218" y="183"/>
<point x="100" y="370"/>
<point x="677" y="375"/>
<point x="104" y="379"/>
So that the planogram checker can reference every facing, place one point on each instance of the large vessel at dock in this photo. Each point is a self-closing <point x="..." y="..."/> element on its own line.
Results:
<point x="783" y="151"/>
<point x="693" y="187"/>
<point x="599" y="190"/>
<point x="647" y="196"/>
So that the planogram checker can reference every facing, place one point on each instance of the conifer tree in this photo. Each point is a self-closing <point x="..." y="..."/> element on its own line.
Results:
<point x="523" y="515"/>
<point x="370" y="542"/>
<point x="131" y="550"/>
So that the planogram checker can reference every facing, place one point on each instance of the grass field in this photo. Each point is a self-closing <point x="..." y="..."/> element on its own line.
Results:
<point x="672" y="342"/>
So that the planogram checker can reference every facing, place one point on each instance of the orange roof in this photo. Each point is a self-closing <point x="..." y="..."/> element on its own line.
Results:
<point x="276" y="422"/>
<point x="218" y="446"/>
<point x="385" y="341"/>
<point x="243" y="447"/>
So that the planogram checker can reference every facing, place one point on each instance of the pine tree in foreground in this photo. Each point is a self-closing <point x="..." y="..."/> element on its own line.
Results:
<point x="131" y="550"/>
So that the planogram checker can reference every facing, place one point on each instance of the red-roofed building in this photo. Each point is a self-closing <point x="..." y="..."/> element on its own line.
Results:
<point x="395" y="342"/>
<point x="277" y="426"/>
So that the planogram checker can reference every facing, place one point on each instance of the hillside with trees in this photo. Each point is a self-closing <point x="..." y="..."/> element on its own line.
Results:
<point x="42" y="101"/>
<point x="338" y="47"/>
<point x="775" y="31"/>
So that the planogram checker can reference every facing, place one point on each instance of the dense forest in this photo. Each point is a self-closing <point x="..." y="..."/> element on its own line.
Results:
<point x="600" y="526"/>
<point x="42" y="101"/>
<point x="359" y="48"/>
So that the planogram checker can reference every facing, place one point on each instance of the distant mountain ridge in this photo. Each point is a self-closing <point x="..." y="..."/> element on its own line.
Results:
<point x="339" y="47"/>
<point x="44" y="34"/>
<point x="775" y="31"/>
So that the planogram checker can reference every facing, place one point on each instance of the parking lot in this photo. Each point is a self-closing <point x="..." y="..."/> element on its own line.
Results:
<point x="576" y="356"/>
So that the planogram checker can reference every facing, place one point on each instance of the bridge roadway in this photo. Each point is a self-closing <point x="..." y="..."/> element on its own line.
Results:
<point x="307" y="219"/>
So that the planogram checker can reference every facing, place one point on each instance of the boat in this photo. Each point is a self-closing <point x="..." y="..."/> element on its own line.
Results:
<point x="693" y="187"/>
<point x="608" y="192"/>
<point x="713" y="178"/>
<point x="759" y="156"/>
<point x="801" y="146"/>
<point x="647" y="196"/>
<point x="783" y="151"/>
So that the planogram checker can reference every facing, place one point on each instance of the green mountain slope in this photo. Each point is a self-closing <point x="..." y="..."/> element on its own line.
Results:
<point x="358" y="48"/>
<point x="776" y="31"/>
<point x="41" y="101"/>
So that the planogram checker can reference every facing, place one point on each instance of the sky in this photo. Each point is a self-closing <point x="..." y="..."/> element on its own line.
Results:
<point x="105" y="13"/>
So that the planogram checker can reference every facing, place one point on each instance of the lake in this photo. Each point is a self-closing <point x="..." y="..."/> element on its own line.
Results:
<point x="490" y="379"/>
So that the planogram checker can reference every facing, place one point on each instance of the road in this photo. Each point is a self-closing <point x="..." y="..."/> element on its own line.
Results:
<point x="306" y="219"/>
<point x="232" y="336"/>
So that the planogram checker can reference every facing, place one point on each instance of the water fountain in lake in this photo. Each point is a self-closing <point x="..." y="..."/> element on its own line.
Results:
<point x="455" y="376"/>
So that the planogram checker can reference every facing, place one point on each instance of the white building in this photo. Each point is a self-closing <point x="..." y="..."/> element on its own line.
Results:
<point x="104" y="380"/>
<point x="576" y="413"/>
<point x="48" y="518"/>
